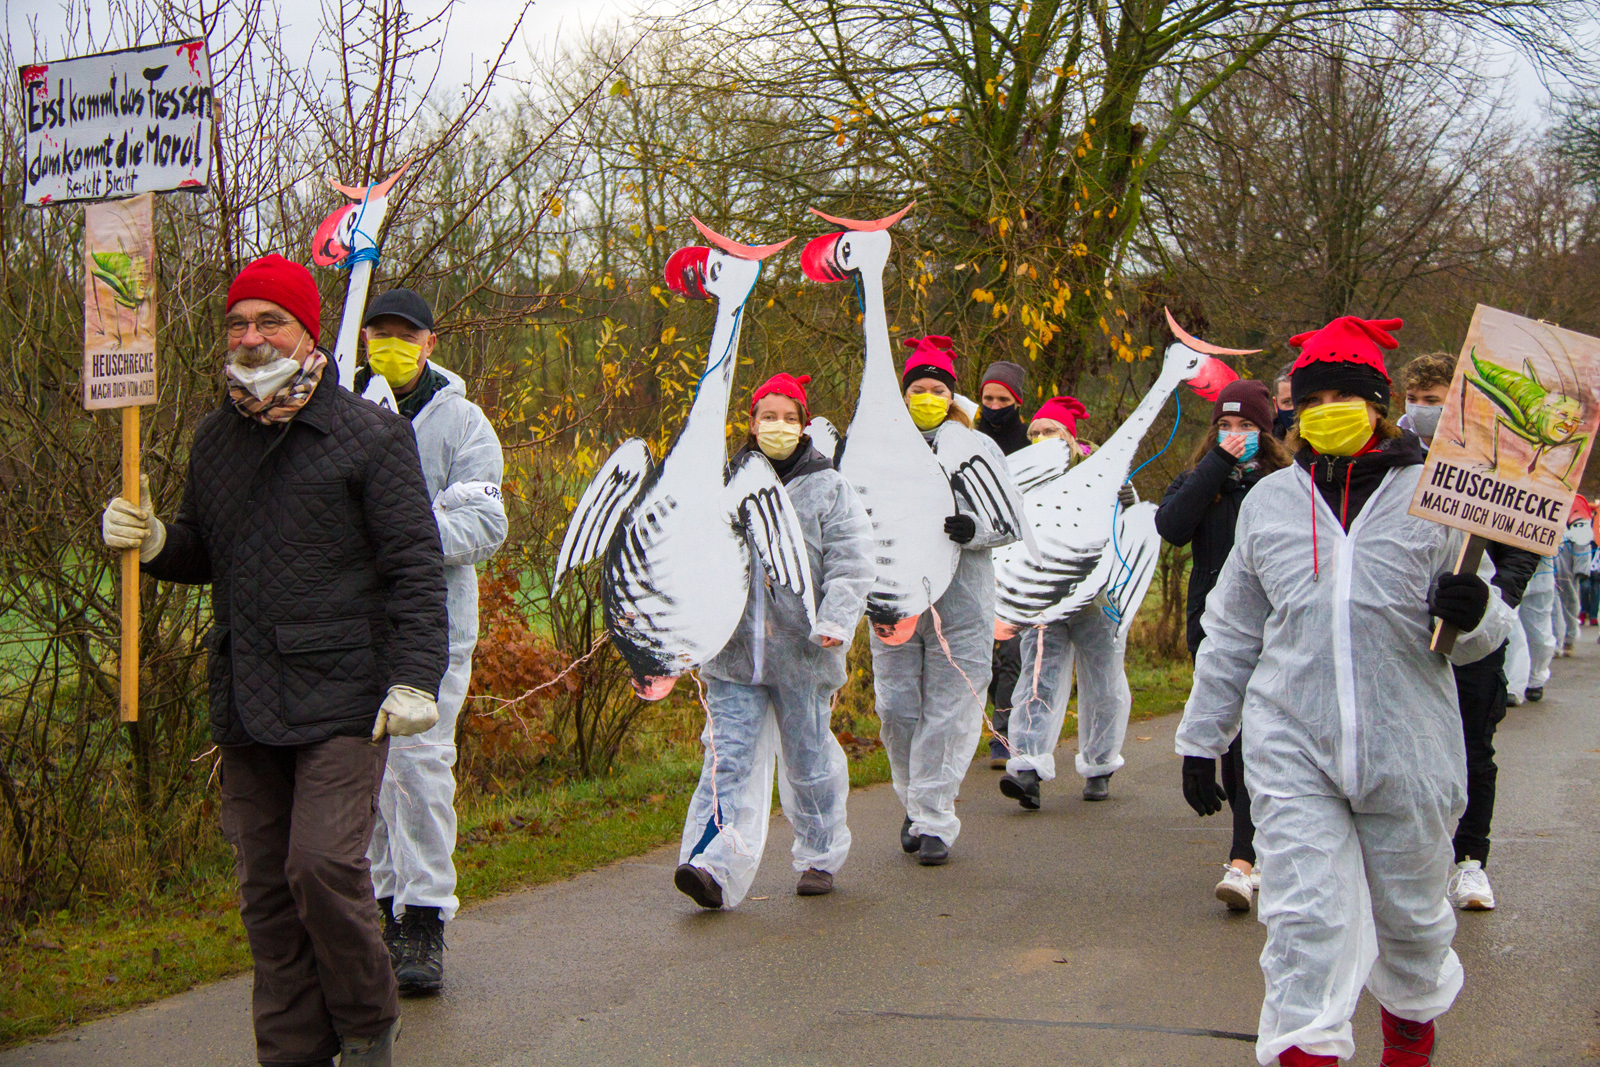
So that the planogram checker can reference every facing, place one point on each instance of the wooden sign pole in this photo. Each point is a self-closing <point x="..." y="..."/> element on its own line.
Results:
<point x="128" y="667"/>
<point x="1444" y="634"/>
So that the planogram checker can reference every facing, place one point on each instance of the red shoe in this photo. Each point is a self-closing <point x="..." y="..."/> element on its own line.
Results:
<point x="1293" y="1057"/>
<point x="1405" y="1043"/>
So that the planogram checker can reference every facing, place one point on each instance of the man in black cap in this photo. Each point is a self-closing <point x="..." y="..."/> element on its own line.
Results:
<point x="412" y="873"/>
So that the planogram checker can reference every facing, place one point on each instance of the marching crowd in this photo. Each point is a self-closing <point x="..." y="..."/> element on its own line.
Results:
<point x="340" y="541"/>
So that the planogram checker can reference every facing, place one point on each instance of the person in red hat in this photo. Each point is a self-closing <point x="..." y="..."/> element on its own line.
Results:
<point x="1316" y="646"/>
<point x="306" y="511"/>
<point x="778" y="661"/>
<point x="1089" y="645"/>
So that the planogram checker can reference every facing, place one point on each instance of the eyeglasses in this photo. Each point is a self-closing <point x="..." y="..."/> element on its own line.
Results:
<point x="266" y="325"/>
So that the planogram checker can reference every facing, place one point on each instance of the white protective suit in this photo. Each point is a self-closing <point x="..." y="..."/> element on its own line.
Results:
<point x="773" y="666"/>
<point x="930" y="705"/>
<point x="1537" y="612"/>
<point x="1564" y="617"/>
<point x="1353" y="750"/>
<point x="415" y="831"/>
<point x="1089" y="643"/>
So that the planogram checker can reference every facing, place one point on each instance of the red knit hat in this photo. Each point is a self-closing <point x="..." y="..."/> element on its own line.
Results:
<point x="785" y="385"/>
<point x="1344" y="355"/>
<point x="1066" y="410"/>
<point x="933" y="357"/>
<point x="286" y="284"/>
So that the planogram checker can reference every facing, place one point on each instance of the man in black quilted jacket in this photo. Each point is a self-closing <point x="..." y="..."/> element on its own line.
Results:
<point x="306" y="511"/>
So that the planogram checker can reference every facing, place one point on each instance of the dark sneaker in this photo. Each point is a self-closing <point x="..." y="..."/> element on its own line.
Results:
<point x="391" y="929"/>
<point x="932" y="852"/>
<point x="998" y="754"/>
<point x="697" y="884"/>
<point x="1534" y="693"/>
<point x="814" y="883"/>
<point x="909" y="842"/>
<point x="370" y="1051"/>
<point x="1023" y="787"/>
<point x="1097" y="788"/>
<point x="419" y="969"/>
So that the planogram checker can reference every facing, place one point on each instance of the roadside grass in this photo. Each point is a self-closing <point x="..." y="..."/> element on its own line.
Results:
<point x="111" y="955"/>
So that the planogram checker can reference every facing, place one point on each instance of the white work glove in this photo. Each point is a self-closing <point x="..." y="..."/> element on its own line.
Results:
<point x="123" y="526"/>
<point x="405" y="711"/>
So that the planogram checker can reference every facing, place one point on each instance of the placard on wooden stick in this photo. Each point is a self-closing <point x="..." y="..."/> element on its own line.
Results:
<point x="1512" y="442"/>
<point x="119" y="366"/>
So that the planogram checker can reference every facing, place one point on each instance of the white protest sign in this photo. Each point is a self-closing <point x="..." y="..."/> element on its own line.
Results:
<point x="117" y="124"/>
<point x="119" y="301"/>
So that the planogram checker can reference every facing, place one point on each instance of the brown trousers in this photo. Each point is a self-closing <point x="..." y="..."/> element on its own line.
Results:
<point x="299" y="818"/>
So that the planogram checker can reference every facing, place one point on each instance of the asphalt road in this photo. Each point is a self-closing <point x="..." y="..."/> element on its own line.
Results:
<point x="1081" y="934"/>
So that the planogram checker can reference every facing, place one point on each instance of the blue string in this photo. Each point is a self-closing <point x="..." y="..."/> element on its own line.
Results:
<point x="1126" y="573"/>
<point x="368" y="254"/>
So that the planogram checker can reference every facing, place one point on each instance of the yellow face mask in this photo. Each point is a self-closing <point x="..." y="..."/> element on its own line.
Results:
<point x="777" y="440"/>
<point x="927" y="410"/>
<point x="1338" y="429"/>
<point x="395" y="358"/>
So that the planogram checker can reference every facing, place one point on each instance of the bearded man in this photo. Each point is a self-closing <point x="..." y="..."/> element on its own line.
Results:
<point x="306" y="511"/>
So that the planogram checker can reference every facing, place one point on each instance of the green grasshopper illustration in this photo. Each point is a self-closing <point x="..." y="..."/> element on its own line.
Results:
<point x="1546" y="420"/>
<point x="124" y="275"/>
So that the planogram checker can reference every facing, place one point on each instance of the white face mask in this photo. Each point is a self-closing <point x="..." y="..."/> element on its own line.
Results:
<point x="265" y="380"/>
<point x="1424" y="418"/>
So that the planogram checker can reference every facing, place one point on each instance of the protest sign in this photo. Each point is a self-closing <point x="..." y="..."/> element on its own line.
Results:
<point x="1515" y="434"/>
<point x="119" y="303"/>
<point x="117" y="124"/>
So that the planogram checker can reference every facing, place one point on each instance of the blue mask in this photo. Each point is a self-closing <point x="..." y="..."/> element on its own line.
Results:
<point x="1252" y="441"/>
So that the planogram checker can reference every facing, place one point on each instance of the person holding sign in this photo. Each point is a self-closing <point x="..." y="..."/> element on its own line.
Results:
<point x="1317" y="642"/>
<point x="415" y="833"/>
<point x="306" y="511"/>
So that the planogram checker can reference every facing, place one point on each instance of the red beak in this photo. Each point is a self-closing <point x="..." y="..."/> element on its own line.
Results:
<point x="1214" y="374"/>
<point x="820" y="261"/>
<point x="686" y="272"/>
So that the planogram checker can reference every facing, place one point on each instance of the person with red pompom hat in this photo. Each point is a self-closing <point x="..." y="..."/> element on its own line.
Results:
<point x="777" y="659"/>
<point x="306" y="511"/>
<point x="1316" y="645"/>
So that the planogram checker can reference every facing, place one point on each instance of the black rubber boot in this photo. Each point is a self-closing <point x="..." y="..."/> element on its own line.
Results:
<point x="1534" y="694"/>
<point x="909" y="842"/>
<point x="1097" y="788"/>
<point x="697" y="884"/>
<point x="932" y="852"/>
<point x="419" y="969"/>
<point x="391" y="929"/>
<point x="371" y="1051"/>
<point x="1023" y="787"/>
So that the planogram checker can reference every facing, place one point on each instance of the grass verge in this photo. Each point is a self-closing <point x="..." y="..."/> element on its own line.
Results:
<point x="112" y="955"/>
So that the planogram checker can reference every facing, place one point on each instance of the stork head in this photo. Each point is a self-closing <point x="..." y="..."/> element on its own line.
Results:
<point x="725" y="273"/>
<point x="863" y="247"/>
<point x="1190" y="358"/>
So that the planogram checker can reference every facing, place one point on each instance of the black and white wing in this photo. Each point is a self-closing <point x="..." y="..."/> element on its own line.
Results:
<point x="1038" y="463"/>
<point x="1133" y="556"/>
<point x="756" y="499"/>
<point x="980" y="475"/>
<point x="825" y="438"/>
<point x="602" y="506"/>
<point x="379" y="393"/>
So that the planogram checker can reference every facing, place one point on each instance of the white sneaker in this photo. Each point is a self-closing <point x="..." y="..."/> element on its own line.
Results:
<point x="1235" y="889"/>
<point x="1469" y="887"/>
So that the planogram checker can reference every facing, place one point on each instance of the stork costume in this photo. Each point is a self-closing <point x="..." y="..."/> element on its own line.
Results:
<point x="1091" y="642"/>
<point x="1316" y="641"/>
<point x="775" y="665"/>
<point x="415" y="833"/>
<point x="930" y="702"/>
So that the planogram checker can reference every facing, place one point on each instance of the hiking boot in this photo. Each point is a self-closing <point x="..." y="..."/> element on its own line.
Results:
<point x="1534" y="693"/>
<point x="998" y="754"/>
<point x="391" y="930"/>
<point x="1405" y="1043"/>
<point x="1235" y="889"/>
<point x="1023" y="787"/>
<point x="1097" y="788"/>
<point x="370" y="1051"/>
<point x="814" y="883"/>
<point x="1469" y="887"/>
<point x="697" y="884"/>
<point x="932" y="852"/>
<point x="909" y="842"/>
<point x="419" y="964"/>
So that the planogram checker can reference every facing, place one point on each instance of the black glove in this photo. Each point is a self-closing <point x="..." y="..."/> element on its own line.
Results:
<point x="1460" y="600"/>
<point x="1126" y="496"/>
<point x="961" y="528"/>
<point x="1200" y="786"/>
